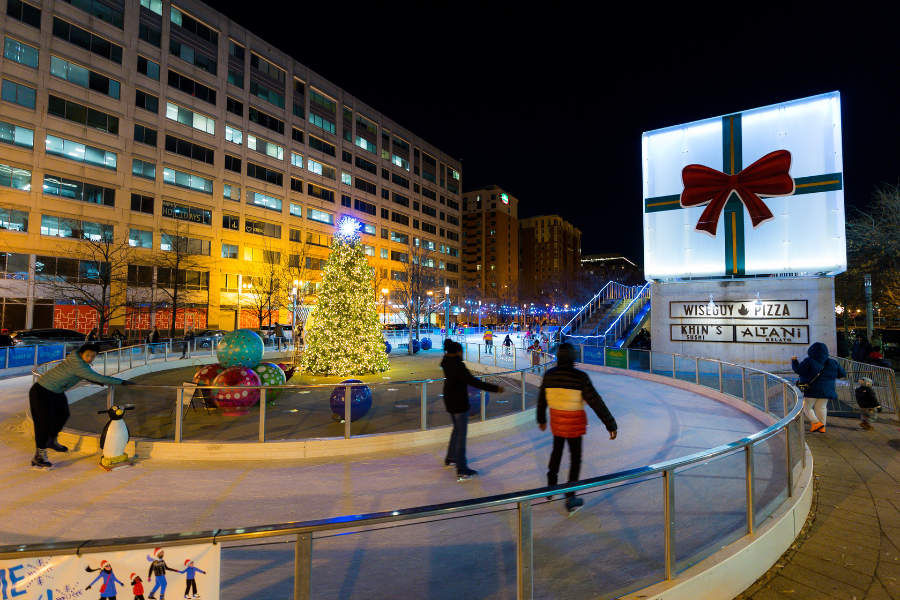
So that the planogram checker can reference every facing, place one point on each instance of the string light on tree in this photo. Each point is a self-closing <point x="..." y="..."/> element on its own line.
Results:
<point x="344" y="336"/>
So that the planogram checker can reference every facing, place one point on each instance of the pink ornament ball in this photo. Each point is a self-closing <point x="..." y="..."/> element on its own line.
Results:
<point x="234" y="401"/>
<point x="204" y="376"/>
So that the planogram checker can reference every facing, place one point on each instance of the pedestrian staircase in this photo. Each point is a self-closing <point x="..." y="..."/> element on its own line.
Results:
<point x="610" y="321"/>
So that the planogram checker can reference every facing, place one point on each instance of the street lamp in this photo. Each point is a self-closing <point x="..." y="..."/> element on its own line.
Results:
<point x="479" y="314"/>
<point x="294" y="292"/>
<point x="384" y="292"/>
<point x="447" y="310"/>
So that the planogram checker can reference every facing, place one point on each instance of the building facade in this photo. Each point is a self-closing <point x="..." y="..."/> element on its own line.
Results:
<point x="612" y="266"/>
<point x="169" y="126"/>
<point x="549" y="254"/>
<point x="491" y="241"/>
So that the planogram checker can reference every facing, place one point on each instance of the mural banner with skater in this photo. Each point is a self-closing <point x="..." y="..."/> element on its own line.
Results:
<point x="188" y="571"/>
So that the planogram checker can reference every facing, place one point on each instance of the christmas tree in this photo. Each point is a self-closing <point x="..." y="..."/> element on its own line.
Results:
<point x="345" y="336"/>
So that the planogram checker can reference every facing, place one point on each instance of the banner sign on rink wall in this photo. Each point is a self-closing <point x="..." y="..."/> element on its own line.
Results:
<point x="759" y="192"/>
<point x="110" y="574"/>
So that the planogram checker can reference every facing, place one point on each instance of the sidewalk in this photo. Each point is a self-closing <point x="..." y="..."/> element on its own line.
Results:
<point x="850" y="549"/>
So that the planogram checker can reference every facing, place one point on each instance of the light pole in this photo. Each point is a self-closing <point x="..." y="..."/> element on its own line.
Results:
<point x="294" y="293"/>
<point x="447" y="310"/>
<point x="384" y="292"/>
<point x="479" y="314"/>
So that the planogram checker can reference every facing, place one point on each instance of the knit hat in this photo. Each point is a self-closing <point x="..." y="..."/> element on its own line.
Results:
<point x="133" y="575"/>
<point x="187" y="562"/>
<point x="103" y="564"/>
<point x="865" y="380"/>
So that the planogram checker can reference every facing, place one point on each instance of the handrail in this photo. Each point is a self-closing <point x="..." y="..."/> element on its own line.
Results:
<point x="645" y="291"/>
<point x="620" y="291"/>
<point x="522" y="499"/>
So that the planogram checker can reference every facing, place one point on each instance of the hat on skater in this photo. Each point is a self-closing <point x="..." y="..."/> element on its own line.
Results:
<point x="133" y="575"/>
<point x="103" y="564"/>
<point x="4" y="330"/>
<point x="187" y="562"/>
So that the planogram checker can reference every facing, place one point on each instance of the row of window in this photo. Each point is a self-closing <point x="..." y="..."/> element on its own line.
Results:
<point x="28" y="55"/>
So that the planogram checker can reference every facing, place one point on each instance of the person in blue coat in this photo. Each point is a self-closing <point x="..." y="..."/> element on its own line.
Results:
<point x="820" y="372"/>
<point x="108" y="587"/>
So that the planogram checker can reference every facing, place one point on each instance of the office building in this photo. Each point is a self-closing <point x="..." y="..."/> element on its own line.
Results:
<point x="549" y="253"/>
<point x="491" y="242"/>
<point x="614" y="267"/>
<point x="172" y="127"/>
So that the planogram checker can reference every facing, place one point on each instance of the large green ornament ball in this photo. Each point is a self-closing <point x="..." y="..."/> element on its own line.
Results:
<point x="240" y="348"/>
<point x="271" y="374"/>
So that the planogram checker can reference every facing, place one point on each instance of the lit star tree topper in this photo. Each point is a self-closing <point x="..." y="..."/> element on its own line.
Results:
<point x="345" y="337"/>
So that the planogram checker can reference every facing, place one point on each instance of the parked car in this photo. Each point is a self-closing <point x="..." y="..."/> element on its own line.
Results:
<point x="208" y="337"/>
<point x="44" y="337"/>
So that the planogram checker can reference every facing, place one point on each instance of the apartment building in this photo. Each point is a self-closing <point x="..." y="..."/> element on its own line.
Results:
<point x="549" y="251"/>
<point x="171" y="126"/>
<point x="490" y="241"/>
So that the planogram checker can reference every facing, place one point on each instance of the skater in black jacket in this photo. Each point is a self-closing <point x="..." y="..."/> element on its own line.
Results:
<point x="456" y="398"/>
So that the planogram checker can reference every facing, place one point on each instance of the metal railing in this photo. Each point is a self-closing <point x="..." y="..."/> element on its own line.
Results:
<point x="884" y="382"/>
<point x="512" y="365"/>
<point x="611" y="291"/>
<point x="616" y="322"/>
<point x="767" y="392"/>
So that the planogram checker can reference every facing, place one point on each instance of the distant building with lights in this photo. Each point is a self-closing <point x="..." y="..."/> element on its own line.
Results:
<point x="613" y="266"/>
<point x="138" y="120"/>
<point x="490" y="241"/>
<point x="549" y="252"/>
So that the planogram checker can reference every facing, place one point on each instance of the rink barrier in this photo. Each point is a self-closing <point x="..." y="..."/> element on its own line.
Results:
<point x="138" y="360"/>
<point x="733" y="564"/>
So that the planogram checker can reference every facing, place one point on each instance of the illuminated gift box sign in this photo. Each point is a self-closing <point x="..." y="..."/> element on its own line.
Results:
<point x="753" y="193"/>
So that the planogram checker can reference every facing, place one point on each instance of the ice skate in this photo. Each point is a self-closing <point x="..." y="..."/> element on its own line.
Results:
<point x="466" y="475"/>
<point x="573" y="505"/>
<point x="56" y="446"/>
<point x="40" y="462"/>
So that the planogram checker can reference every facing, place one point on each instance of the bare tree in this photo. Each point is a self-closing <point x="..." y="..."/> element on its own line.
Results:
<point x="268" y="289"/>
<point x="411" y="288"/>
<point x="297" y="266"/>
<point x="178" y="256"/>
<point x="92" y="272"/>
<point x="873" y="248"/>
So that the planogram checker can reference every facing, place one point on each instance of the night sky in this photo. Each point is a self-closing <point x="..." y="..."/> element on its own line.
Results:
<point x="549" y="100"/>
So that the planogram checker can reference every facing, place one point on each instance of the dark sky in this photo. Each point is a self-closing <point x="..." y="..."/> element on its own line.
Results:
<point x="549" y="100"/>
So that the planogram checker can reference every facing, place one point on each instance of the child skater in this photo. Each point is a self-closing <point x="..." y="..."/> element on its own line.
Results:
<point x="137" y="587"/>
<point x="867" y="402"/>
<point x="191" y="572"/>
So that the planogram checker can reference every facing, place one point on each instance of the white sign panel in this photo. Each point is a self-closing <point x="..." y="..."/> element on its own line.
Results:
<point x="189" y="571"/>
<point x="758" y="192"/>
<point x="739" y="310"/>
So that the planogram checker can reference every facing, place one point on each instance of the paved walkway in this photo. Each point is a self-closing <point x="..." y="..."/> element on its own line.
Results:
<point x="851" y="547"/>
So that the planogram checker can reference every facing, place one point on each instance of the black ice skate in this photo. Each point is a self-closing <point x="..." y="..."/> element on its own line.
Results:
<point x="466" y="474"/>
<point x="573" y="505"/>
<point x="56" y="446"/>
<point x="40" y="461"/>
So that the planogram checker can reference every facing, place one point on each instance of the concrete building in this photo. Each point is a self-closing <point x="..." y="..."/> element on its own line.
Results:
<point x="171" y="126"/>
<point x="549" y="251"/>
<point x="491" y="241"/>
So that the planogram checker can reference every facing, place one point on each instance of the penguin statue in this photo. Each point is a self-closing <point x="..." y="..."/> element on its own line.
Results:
<point x="114" y="438"/>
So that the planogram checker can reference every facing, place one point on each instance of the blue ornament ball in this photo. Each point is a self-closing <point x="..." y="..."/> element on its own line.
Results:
<point x="475" y="401"/>
<point x="240" y="348"/>
<point x="360" y="399"/>
<point x="415" y="346"/>
<point x="426" y="343"/>
<point x="387" y="347"/>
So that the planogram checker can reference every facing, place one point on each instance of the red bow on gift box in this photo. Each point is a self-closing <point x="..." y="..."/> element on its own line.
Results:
<point x="766" y="177"/>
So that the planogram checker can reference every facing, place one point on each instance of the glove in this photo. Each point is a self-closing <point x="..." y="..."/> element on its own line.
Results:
<point x="127" y="382"/>
<point x="88" y="587"/>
